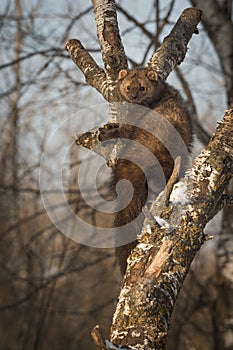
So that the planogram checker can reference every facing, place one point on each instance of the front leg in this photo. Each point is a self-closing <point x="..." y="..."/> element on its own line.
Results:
<point x="114" y="130"/>
<point x="109" y="131"/>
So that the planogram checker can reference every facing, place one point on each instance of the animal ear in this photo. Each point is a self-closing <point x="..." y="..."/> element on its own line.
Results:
<point x="152" y="75"/>
<point x="122" y="74"/>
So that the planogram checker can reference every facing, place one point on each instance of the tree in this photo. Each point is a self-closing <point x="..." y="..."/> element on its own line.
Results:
<point x="50" y="281"/>
<point x="136" y="323"/>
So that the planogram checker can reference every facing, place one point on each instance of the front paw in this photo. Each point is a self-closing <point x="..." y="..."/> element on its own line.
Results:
<point x="109" y="131"/>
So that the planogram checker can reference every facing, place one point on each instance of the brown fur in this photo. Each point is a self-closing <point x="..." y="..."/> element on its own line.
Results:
<point x="143" y="87"/>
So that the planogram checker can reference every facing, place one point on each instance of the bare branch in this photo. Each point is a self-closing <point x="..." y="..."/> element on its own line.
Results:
<point x="95" y="76"/>
<point x="112" y="50"/>
<point x="113" y="53"/>
<point x="174" y="47"/>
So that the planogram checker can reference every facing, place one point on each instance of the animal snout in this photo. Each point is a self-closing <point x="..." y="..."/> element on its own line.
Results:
<point x="134" y="96"/>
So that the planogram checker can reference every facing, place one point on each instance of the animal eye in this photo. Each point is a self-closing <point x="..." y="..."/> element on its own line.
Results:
<point x="142" y="88"/>
<point x="128" y="87"/>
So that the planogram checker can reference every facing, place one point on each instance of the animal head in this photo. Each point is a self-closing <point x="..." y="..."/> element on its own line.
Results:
<point x="138" y="85"/>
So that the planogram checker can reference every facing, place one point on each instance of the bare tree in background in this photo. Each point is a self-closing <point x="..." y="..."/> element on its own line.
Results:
<point x="208" y="305"/>
<point x="48" y="283"/>
<point x="39" y="267"/>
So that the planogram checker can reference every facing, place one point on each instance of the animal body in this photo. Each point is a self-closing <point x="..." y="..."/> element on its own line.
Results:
<point x="154" y="130"/>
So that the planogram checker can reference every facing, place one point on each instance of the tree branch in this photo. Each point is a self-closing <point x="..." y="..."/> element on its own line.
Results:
<point x="159" y="263"/>
<point x="95" y="76"/>
<point x="174" y="47"/>
<point x="112" y="50"/>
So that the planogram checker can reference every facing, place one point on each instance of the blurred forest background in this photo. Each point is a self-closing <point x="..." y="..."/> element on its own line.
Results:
<point x="53" y="291"/>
